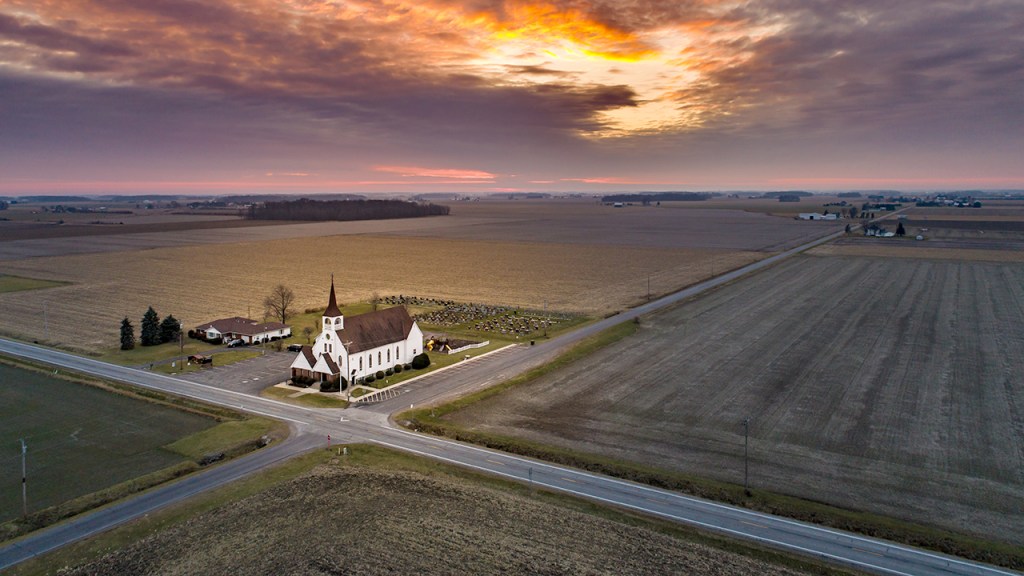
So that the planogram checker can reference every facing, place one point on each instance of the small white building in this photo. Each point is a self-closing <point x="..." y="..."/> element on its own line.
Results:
<point x="249" y="331"/>
<point x="357" y="346"/>
<point x="816" y="216"/>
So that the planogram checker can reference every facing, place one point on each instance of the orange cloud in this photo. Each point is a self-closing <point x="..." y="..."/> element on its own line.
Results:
<point x="545" y="23"/>
<point x="604" y="180"/>
<point x="449" y="173"/>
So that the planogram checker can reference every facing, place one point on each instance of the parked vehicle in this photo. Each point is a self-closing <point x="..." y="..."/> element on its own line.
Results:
<point x="295" y="347"/>
<point x="236" y="343"/>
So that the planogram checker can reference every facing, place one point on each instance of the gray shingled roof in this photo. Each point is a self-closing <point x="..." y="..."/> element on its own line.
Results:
<point x="373" y="329"/>
<point x="239" y="325"/>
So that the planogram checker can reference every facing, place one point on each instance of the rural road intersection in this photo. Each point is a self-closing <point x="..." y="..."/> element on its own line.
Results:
<point x="371" y="424"/>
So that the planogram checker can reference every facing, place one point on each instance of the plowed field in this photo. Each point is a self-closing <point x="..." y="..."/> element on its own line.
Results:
<point x="202" y="283"/>
<point x="879" y="384"/>
<point x="358" y="521"/>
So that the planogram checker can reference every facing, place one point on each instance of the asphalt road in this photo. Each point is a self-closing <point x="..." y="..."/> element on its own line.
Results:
<point x="370" y="424"/>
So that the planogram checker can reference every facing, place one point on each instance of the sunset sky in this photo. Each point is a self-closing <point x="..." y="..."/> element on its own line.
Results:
<point x="304" y="96"/>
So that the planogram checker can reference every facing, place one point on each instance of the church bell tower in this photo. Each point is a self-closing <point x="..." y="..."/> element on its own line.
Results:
<point x="333" y="319"/>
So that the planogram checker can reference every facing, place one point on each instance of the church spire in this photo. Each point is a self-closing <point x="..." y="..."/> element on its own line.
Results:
<point x="332" y="304"/>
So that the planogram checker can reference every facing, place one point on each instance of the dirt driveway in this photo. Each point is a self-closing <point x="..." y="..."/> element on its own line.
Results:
<point x="247" y="376"/>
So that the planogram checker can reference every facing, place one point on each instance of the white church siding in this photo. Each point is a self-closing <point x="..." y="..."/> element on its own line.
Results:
<point x="360" y="345"/>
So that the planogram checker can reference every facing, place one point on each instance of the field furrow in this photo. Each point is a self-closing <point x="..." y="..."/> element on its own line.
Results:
<point x="872" y="383"/>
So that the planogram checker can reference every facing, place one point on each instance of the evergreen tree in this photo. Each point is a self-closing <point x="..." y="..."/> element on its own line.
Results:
<point x="900" y="230"/>
<point x="127" y="334"/>
<point x="150" y="328"/>
<point x="170" y="328"/>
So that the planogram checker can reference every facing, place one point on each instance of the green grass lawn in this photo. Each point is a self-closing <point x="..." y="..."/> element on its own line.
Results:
<point x="142" y="355"/>
<point x="309" y="400"/>
<point x="224" y="437"/>
<point x="80" y="439"/>
<point x="18" y="283"/>
<point x="219" y="359"/>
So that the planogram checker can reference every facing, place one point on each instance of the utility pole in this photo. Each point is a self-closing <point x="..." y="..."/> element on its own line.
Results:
<point x="24" y="494"/>
<point x="746" y="467"/>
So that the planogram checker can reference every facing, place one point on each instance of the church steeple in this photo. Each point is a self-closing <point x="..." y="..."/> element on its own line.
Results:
<point x="333" y="319"/>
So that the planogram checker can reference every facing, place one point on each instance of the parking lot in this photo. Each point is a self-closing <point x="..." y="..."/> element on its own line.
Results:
<point x="247" y="376"/>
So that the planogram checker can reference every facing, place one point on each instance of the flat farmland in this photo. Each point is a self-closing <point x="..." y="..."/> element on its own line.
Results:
<point x="724" y="225"/>
<point x="35" y="244"/>
<point x="80" y="439"/>
<point x="201" y="283"/>
<point x="554" y="221"/>
<point x="574" y="256"/>
<point x="880" y="384"/>
<point x="345" y="519"/>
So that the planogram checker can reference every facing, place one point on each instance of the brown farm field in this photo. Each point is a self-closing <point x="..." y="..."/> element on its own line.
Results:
<point x="341" y="519"/>
<point x="202" y="283"/>
<point x="580" y="257"/>
<point x="879" y="384"/>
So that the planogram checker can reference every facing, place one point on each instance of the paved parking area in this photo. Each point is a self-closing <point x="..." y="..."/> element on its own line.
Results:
<point x="248" y="376"/>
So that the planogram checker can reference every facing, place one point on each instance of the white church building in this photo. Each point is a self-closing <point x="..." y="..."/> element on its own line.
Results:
<point x="354" y="347"/>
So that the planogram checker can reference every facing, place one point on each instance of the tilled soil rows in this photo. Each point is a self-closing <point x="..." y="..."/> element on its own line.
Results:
<point x="879" y="384"/>
<point x="345" y="520"/>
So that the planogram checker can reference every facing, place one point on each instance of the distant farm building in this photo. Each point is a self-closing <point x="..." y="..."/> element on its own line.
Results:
<point x="816" y="216"/>
<point x="878" y="232"/>
<point x="244" y="329"/>
<point x="358" y="346"/>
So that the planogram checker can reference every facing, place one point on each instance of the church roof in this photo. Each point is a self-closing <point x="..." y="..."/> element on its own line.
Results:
<point x="305" y="360"/>
<point x="332" y="303"/>
<point x="374" y="329"/>
<point x="331" y="364"/>
<point x="307" y="353"/>
<point x="326" y="365"/>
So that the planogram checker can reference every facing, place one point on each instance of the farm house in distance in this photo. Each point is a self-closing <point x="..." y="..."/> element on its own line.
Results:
<point x="816" y="216"/>
<point x="358" y="346"/>
<point x="244" y="329"/>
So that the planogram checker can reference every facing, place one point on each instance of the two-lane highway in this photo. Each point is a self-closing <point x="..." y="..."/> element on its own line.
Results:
<point x="366" y="426"/>
<point x="370" y="424"/>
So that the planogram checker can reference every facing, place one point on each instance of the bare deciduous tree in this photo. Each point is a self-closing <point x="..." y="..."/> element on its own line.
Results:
<point x="278" y="303"/>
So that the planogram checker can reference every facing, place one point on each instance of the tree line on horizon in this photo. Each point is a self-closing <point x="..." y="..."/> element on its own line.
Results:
<point x="646" y="198"/>
<point x="342" y="210"/>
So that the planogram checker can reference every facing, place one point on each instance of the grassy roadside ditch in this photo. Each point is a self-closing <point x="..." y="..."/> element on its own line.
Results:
<point x="432" y="420"/>
<point x="370" y="456"/>
<point x="233" y="435"/>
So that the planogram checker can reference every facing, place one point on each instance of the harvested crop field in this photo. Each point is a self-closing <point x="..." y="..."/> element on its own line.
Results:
<point x="202" y="283"/>
<point x="589" y="222"/>
<point x="352" y="520"/>
<point x="878" y="384"/>
<point x="572" y="256"/>
<point x="965" y="250"/>
<point x="552" y="221"/>
<point x="13" y="247"/>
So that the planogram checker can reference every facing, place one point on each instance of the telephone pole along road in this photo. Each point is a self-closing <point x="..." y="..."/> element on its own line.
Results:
<point x="359" y="425"/>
